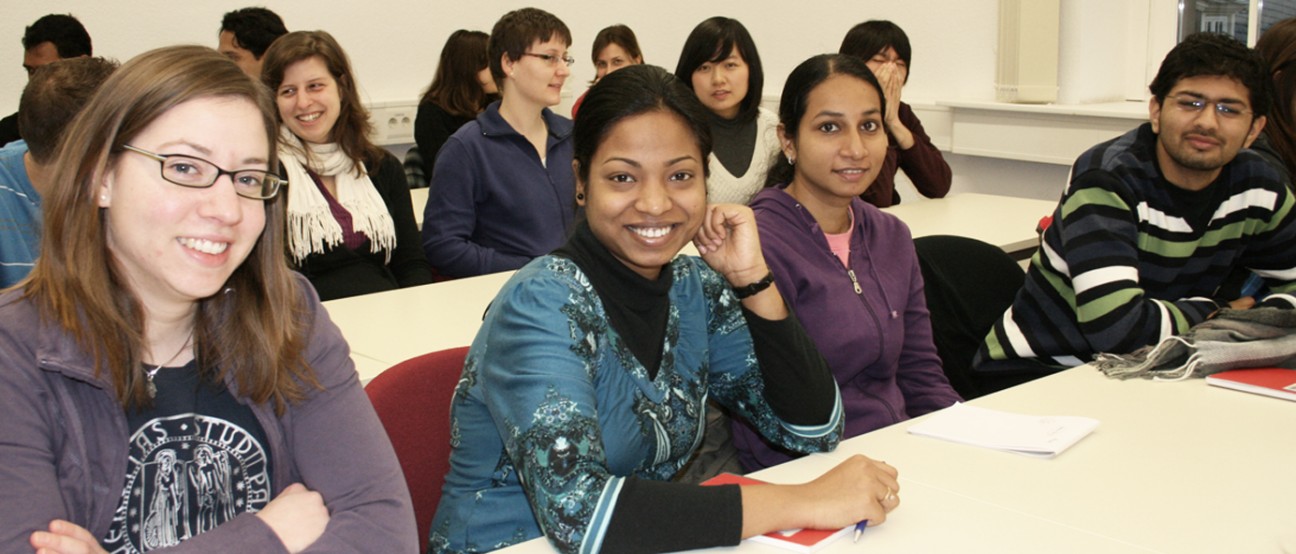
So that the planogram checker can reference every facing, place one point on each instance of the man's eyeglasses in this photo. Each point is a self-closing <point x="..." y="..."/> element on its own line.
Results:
<point x="1224" y="109"/>
<point x="552" y="59"/>
<point x="188" y="171"/>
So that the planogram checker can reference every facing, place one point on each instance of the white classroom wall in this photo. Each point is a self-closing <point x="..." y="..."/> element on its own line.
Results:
<point x="394" y="44"/>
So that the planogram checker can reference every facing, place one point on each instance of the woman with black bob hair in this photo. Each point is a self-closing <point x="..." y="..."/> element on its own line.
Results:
<point x="583" y="392"/>
<point x="884" y="46"/>
<point x="720" y="64"/>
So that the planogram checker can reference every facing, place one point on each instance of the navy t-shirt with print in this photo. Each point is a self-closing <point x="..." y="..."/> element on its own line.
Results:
<point x="198" y="458"/>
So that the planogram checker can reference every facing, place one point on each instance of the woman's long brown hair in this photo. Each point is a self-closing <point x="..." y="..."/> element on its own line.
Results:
<point x="1278" y="48"/>
<point x="352" y="129"/>
<point x="254" y="329"/>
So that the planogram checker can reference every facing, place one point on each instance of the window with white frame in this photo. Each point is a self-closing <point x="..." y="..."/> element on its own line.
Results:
<point x="1244" y="20"/>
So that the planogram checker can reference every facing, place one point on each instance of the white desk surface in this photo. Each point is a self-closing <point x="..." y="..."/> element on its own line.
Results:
<point x="929" y="520"/>
<point x="1174" y="467"/>
<point x="418" y="198"/>
<point x="387" y="328"/>
<point x="1004" y="221"/>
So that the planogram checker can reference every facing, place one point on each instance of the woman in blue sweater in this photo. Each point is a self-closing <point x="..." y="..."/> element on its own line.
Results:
<point x="847" y="270"/>
<point x="502" y="187"/>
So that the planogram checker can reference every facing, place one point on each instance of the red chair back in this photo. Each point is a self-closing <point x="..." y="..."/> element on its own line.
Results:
<point x="413" y="402"/>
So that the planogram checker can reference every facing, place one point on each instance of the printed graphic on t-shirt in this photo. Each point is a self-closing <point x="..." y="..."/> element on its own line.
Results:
<point x="186" y="475"/>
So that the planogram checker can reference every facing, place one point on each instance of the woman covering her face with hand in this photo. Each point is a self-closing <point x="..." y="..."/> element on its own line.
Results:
<point x="885" y="48"/>
<point x="502" y="192"/>
<point x="720" y="63"/>
<point x="584" y="390"/>
<point x="460" y="90"/>
<point x="351" y="227"/>
<point x="615" y="47"/>
<point x="848" y="270"/>
<point x="165" y="379"/>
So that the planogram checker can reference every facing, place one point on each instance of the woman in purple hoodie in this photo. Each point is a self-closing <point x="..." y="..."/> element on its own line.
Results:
<point x="848" y="270"/>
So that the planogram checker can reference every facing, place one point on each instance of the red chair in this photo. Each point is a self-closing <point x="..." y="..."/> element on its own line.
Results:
<point x="413" y="401"/>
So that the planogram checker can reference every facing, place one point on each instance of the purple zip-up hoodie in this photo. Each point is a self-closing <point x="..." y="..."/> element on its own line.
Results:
<point x="869" y="320"/>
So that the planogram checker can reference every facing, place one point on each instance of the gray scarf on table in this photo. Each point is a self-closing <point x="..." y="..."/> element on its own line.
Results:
<point x="1233" y="339"/>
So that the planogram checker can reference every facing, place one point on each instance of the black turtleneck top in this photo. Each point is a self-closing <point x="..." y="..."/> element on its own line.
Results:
<point x="655" y="516"/>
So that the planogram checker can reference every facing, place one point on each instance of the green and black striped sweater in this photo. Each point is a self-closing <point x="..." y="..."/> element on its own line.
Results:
<point x="1131" y="259"/>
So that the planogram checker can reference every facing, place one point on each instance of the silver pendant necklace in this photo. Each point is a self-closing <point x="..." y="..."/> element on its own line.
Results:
<point x="149" y="373"/>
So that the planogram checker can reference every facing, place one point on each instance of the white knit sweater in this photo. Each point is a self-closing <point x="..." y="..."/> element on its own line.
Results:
<point x="723" y="187"/>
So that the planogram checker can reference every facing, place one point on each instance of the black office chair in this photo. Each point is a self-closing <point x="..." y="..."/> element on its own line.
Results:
<point x="413" y="164"/>
<point x="968" y="284"/>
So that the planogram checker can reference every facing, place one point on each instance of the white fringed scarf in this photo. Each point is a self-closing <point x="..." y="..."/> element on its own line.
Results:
<point x="311" y="226"/>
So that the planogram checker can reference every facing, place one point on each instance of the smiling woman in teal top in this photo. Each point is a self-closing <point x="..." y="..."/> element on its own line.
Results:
<point x="584" y="391"/>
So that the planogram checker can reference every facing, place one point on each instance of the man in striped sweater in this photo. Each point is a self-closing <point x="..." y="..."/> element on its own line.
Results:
<point x="1154" y="221"/>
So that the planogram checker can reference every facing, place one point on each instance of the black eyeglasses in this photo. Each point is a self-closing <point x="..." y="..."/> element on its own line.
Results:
<point x="552" y="59"/>
<point x="188" y="171"/>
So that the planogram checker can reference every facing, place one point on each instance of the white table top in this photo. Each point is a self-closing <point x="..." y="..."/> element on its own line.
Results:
<point x="1004" y="221"/>
<point x="929" y="520"/>
<point x="387" y="328"/>
<point x="1174" y="467"/>
<point x="418" y="198"/>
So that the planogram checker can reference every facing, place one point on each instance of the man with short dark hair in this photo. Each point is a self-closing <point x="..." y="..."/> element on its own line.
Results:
<point x="246" y="34"/>
<point x="54" y="95"/>
<point x="51" y="38"/>
<point x="1153" y="222"/>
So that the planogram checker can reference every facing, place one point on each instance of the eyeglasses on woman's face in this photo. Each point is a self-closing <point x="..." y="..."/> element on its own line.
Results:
<point x="553" y="59"/>
<point x="188" y="171"/>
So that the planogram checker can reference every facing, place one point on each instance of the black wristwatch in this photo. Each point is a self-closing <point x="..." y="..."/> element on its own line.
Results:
<point x="749" y="290"/>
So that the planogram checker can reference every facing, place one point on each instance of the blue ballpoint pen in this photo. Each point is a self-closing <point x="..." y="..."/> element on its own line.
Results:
<point x="859" y="529"/>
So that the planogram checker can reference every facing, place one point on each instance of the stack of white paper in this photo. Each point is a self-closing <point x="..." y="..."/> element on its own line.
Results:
<point x="1043" y="436"/>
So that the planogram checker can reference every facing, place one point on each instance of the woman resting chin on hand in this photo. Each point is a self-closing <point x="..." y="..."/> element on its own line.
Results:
<point x="584" y="391"/>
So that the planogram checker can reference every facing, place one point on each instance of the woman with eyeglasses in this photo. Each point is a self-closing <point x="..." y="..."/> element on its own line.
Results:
<point x="884" y="46"/>
<point x="351" y="227"/>
<point x="165" y="379"/>
<point x="584" y="392"/>
<point x="502" y="191"/>
<point x="720" y="63"/>
<point x="460" y="90"/>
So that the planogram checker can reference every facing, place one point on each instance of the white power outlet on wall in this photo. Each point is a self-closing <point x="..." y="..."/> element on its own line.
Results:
<point x="393" y="122"/>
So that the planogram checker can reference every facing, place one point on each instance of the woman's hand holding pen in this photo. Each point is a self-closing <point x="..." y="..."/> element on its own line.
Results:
<point x="857" y="489"/>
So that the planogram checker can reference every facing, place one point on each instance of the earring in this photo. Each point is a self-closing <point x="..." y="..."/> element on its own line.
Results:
<point x="103" y="197"/>
<point x="580" y="196"/>
<point x="791" y="160"/>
